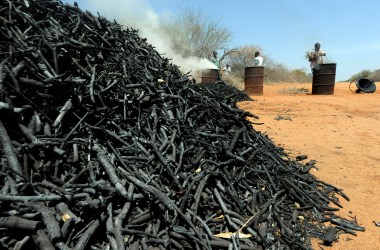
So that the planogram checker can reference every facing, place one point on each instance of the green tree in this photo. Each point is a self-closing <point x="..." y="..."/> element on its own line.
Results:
<point x="363" y="73"/>
<point x="375" y="75"/>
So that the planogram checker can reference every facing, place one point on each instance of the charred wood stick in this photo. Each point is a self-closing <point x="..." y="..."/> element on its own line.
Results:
<point x="180" y="160"/>
<point x="12" y="185"/>
<point x="164" y="199"/>
<point x="46" y="67"/>
<point x="66" y="213"/>
<point x="110" y="227"/>
<point x="339" y="191"/>
<point x="282" y="223"/>
<point x="9" y="152"/>
<point x="68" y="105"/>
<point x="347" y="230"/>
<point x="189" y="189"/>
<point x="84" y="239"/>
<point x="262" y="210"/>
<point x="92" y="81"/>
<point x="44" y="70"/>
<point x="14" y="222"/>
<point x="199" y="157"/>
<point x="113" y="135"/>
<point x="67" y="227"/>
<point x="306" y="169"/>
<point x="305" y="194"/>
<point x="234" y="198"/>
<point x="52" y="225"/>
<point x="198" y="196"/>
<point x="296" y="191"/>
<point x="154" y="123"/>
<point x="50" y="185"/>
<point x="47" y="129"/>
<point x="19" y="67"/>
<point x="141" y="218"/>
<point x="110" y="170"/>
<point x="147" y="179"/>
<point x="42" y="241"/>
<point x="138" y="232"/>
<point x="2" y="75"/>
<point x="76" y="126"/>
<point x="15" y="85"/>
<point x="236" y="138"/>
<point x="90" y="46"/>
<point x="20" y="244"/>
<point x="109" y="86"/>
<point x="242" y="224"/>
<point x="204" y="224"/>
<point x="6" y="106"/>
<point x="75" y="157"/>
<point x="238" y="158"/>
<point x="165" y="140"/>
<point x="190" y="235"/>
<point x="154" y="191"/>
<point x="270" y="178"/>
<point x="166" y="165"/>
<point x="80" y="67"/>
<point x="346" y="224"/>
<point x="119" y="220"/>
<point x="121" y="161"/>
<point x="224" y="207"/>
<point x="141" y="147"/>
<point x="173" y="146"/>
<point x="28" y="134"/>
<point x="26" y="166"/>
<point x="42" y="197"/>
<point x="216" y="136"/>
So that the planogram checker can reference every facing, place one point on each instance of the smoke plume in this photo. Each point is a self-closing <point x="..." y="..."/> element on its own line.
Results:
<point x="140" y="15"/>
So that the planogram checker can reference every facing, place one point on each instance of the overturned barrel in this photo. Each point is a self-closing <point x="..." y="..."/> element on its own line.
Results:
<point x="365" y="85"/>
<point x="324" y="79"/>
<point x="210" y="75"/>
<point x="254" y="80"/>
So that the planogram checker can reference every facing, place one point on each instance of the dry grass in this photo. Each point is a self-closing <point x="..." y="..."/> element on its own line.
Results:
<point x="294" y="91"/>
<point x="234" y="81"/>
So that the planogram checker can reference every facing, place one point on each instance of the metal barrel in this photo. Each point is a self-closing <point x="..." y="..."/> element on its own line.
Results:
<point x="366" y="85"/>
<point x="209" y="75"/>
<point x="254" y="80"/>
<point x="324" y="79"/>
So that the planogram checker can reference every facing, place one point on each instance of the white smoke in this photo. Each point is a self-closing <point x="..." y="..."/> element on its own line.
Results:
<point x="140" y="15"/>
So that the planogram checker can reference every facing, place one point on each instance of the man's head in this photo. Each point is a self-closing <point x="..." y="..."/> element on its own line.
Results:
<point x="257" y="53"/>
<point x="215" y="54"/>
<point x="317" y="46"/>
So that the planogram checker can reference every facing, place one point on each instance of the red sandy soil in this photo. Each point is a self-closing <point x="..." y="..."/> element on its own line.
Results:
<point x="342" y="133"/>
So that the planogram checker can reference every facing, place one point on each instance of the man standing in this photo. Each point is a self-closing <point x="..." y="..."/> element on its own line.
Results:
<point x="227" y="69"/>
<point x="216" y="61"/>
<point x="258" y="59"/>
<point x="317" y="57"/>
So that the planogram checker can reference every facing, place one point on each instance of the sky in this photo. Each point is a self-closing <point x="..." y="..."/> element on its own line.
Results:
<point x="348" y="30"/>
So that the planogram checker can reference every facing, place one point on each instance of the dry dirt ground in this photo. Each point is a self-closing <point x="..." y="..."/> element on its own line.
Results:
<point x="342" y="133"/>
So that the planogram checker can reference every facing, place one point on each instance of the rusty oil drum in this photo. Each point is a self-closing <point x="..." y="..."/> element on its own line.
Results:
<point x="209" y="75"/>
<point x="254" y="80"/>
<point x="324" y="79"/>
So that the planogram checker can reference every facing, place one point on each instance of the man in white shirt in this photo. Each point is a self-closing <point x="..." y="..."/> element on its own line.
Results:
<point x="258" y="59"/>
<point x="318" y="59"/>
<point x="227" y="69"/>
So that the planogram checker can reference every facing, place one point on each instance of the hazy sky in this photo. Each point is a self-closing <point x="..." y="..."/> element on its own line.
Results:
<point x="348" y="30"/>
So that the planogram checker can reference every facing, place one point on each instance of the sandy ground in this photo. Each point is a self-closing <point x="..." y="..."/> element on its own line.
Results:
<point x="342" y="133"/>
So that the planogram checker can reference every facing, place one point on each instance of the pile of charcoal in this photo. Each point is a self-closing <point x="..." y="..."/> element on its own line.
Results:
<point x="105" y="144"/>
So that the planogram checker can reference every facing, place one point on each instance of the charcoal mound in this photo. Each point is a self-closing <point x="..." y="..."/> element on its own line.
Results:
<point x="105" y="144"/>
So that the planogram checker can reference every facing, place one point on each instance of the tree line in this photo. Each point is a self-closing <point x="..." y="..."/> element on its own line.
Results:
<point x="193" y="33"/>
